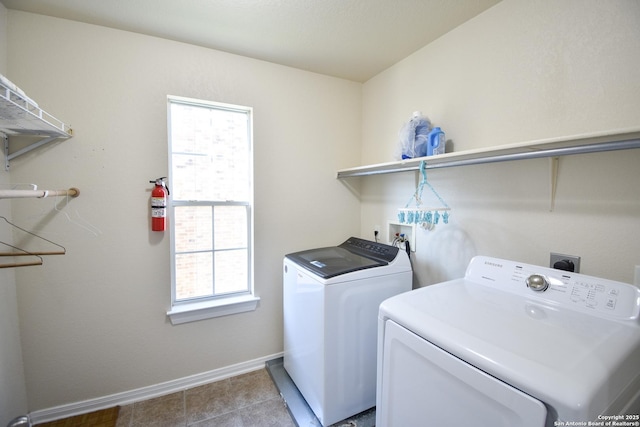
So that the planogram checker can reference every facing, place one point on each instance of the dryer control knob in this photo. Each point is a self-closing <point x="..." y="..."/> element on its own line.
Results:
<point x="537" y="282"/>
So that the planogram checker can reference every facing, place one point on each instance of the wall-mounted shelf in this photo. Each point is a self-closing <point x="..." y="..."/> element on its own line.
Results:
<point x="556" y="147"/>
<point x="20" y="115"/>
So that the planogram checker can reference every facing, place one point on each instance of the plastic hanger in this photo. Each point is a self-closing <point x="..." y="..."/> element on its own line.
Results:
<point x="418" y="214"/>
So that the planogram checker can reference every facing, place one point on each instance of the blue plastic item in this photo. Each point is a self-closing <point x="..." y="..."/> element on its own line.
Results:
<point x="419" y="214"/>
<point x="414" y="136"/>
<point x="436" y="143"/>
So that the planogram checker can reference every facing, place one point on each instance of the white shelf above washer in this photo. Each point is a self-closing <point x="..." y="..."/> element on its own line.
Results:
<point x="554" y="147"/>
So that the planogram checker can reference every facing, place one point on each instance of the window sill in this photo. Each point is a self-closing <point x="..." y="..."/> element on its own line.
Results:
<point x="193" y="312"/>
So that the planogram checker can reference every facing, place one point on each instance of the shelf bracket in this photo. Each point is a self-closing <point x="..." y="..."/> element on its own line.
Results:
<point x="25" y="150"/>
<point x="6" y="151"/>
<point x="553" y="167"/>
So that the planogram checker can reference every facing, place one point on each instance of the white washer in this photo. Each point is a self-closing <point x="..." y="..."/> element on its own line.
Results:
<point x="497" y="348"/>
<point x="331" y="301"/>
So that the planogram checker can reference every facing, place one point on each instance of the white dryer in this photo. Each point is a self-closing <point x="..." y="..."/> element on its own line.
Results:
<point x="510" y="344"/>
<point x="331" y="301"/>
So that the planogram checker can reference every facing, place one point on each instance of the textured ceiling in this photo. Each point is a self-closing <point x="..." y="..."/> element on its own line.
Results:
<point x="352" y="39"/>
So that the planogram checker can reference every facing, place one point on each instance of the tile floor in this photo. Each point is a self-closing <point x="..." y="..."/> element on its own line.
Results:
<point x="249" y="400"/>
<point x="101" y="418"/>
<point x="300" y="411"/>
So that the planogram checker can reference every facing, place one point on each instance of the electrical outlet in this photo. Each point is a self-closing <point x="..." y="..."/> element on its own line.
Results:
<point x="566" y="265"/>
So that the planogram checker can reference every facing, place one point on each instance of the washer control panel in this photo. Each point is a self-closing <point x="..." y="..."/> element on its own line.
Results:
<point x="370" y="249"/>
<point x="584" y="293"/>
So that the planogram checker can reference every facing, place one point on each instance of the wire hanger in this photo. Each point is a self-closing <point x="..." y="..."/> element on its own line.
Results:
<point x="23" y="252"/>
<point x="40" y="261"/>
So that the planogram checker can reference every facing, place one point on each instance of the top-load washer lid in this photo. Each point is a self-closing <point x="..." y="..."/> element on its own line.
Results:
<point x="352" y="255"/>
<point x="574" y="345"/>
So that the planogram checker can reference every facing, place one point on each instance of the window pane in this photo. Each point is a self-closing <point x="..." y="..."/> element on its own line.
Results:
<point x="210" y="153"/>
<point x="231" y="271"/>
<point x="193" y="228"/>
<point x="192" y="177"/>
<point x="231" y="227"/>
<point x="194" y="275"/>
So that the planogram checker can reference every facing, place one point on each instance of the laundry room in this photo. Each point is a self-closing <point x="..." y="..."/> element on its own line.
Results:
<point x="93" y="328"/>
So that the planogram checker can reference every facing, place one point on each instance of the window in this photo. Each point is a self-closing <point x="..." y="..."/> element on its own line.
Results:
<point x="210" y="209"/>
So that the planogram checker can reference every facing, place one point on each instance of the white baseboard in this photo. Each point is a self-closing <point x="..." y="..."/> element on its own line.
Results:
<point x="145" y="393"/>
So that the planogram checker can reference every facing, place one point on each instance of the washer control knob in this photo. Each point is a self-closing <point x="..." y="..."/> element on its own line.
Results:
<point x="537" y="282"/>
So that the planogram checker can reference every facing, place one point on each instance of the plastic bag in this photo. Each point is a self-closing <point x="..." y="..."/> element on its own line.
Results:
<point x="414" y="137"/>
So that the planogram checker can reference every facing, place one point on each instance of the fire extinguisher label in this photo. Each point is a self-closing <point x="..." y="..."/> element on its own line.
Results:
<point x="158" y="202"/>
<point x="158" y="212"/>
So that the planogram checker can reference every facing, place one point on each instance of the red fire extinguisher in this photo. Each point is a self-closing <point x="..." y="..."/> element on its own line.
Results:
<point x="159" y="204"/>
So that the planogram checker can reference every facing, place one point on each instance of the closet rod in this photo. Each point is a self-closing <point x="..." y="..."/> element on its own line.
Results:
<point x="22" y="194"/>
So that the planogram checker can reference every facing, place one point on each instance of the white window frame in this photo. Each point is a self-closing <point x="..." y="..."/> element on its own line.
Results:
<point x="217" y="305"/>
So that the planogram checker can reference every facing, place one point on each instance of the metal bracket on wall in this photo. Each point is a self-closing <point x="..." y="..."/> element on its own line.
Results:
<point x="553" y="166"/>
<point x="5" y="139"/>
<point x="8" y="157"/>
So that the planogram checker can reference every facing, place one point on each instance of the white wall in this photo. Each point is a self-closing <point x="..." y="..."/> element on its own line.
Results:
<point x="13" y="398"/>
<point x="3" y="39"/>
<point x="521" y="71"/>
<point x="93" y="321"/>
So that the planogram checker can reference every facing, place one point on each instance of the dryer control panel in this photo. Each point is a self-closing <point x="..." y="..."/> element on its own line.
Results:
<point x="602" y="297"/>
